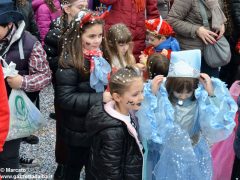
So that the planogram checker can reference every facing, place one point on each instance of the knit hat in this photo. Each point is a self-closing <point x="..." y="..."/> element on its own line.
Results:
<point x="159" y="26"/>
<point x="185" y="63"/>
<point x="8" y="13"/>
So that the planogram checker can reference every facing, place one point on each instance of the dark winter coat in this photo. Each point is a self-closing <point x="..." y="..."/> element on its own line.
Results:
<point x="75" y="97"/>
<point x="124" y="11"/>
<point x="29" y="19"/>
<point x="163" y="7"/>
<point x="235" y="8"/>
<point x="51" y="45"/>
<point x="114" y="153"/>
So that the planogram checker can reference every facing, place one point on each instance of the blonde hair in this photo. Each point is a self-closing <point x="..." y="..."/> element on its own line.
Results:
<point x="117" y="34"/>
<point x="123" y="78"/>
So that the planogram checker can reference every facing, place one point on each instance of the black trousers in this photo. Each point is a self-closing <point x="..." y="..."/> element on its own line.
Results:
<point x="236" y="169"/>
<point x="9" y="157"/>
<point x="212" y="72"/>
<point x="60" y="147"/>
<point x="77" y="158"/>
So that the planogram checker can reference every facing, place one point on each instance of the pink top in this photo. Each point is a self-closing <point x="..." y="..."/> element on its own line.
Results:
<point x="109" y="108"/>
<point x="44" y="16"/>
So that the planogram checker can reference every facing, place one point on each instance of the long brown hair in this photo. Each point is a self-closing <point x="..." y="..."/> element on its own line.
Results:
<point x="51" y="5"/>
<point x="64" y="16"/>
<point x="179" y="84"/>
<point x="72" y="50"/>
<point x="117" y="34"/>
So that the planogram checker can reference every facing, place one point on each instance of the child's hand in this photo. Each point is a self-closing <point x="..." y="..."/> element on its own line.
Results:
<point x="156" y="82"/>
<point x="143" y="59"/>
<point x="164" y="52"/>
<point x="207" y="83"/>
<point x="107" y="97"/>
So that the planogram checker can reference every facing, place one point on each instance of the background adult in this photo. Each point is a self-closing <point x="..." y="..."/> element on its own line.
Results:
<point x="23" y="49"/>
<point x="163" y="7"/>
<point x="25" y="7"/>
<point x="229" y="72"/>
<point x="187" y="22"/>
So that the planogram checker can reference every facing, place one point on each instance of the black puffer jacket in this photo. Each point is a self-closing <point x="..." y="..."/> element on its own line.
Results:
<point x="51" y="44"/>
<point x="75" y="97"/>
<point x="114" y="153"/>
<point x="235" y="7"/>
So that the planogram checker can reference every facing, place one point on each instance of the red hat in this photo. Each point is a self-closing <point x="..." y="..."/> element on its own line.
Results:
<point x="159" y="26"/>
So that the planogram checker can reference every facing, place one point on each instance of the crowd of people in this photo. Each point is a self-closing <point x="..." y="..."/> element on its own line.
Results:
<point x="134" y="95"/>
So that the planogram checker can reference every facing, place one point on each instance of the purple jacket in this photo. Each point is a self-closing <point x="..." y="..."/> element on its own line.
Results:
<point x="44" y="16"/>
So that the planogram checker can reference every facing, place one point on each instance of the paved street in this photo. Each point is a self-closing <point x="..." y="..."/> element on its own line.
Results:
<point x="44" y="151"/>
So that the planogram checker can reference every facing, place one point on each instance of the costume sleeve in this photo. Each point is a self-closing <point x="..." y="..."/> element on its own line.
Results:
<point x="170" y="154"/>
<point x="155" y="115"/>
<point x="216" y="114"/>
<point x="4" y="111"/>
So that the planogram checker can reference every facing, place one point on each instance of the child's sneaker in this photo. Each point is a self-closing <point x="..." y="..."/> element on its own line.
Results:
<point x="32" y="139"/>
<point x="28" y="162"/>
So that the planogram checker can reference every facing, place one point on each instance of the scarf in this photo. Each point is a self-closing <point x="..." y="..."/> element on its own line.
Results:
<point x="140" y="5"/>
<point x="218" y="17"/>
<point x="99" y="69"/>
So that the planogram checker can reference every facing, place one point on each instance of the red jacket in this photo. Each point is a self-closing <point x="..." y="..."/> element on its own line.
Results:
<point x="125" y="11"/>
<point x="4" y="111"/>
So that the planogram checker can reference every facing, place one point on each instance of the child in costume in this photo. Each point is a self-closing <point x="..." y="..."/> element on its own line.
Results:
<point x="185" y="114"/>
<point x="119" y="39"/>
<point x="160" y="39"/>
<point x="80" y="83"/>
<point x="116" y="152"/>
<point x="223" y="152"/>
<point x="235" y="89"/>
<point x="157" y="64"/>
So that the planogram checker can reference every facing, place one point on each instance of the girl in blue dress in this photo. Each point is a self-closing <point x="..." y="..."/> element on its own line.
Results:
<point x="182" y="118"/>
